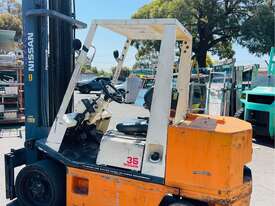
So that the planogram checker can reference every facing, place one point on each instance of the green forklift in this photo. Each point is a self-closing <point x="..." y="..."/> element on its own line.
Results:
<point x="259" y="102"/>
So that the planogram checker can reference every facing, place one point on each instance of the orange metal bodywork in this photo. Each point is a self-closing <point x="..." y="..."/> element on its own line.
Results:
<point x="205" y="161"/>
<point x="110" y="190"/>
<point x="206" y="157"/>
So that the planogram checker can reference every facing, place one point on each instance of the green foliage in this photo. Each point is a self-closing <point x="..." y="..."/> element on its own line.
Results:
<point x="258" y="31"/>
<point x="11" y="22"/>
<point x="94" y="70"/>
<point x="89" y="69"/>
<point x="213" y="23"/>
<point x="125" y="72"/>
<point x="103" y="73"/>
<point x="146" y="58"/>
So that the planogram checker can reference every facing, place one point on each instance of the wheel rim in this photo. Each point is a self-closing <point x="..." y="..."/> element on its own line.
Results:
<point x="37" y="190"/>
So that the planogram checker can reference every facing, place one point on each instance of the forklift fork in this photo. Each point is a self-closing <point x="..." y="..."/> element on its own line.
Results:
<point x="13" y="159"/>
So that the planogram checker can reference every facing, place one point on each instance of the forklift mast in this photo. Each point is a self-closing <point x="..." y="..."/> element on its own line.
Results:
<point x="48" y="35"/>
<point x="48" y="61"/>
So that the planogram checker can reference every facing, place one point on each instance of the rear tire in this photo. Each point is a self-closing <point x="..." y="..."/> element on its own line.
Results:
<point x="175" y="201"/>
<point x="181" y="203"/>
<point x="42" y="184"/>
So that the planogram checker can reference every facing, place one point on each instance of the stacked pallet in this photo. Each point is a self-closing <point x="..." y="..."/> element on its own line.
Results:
<point x="11" y="93"/>
<point x="11" y="133"/>
<point x="11" y="79"/>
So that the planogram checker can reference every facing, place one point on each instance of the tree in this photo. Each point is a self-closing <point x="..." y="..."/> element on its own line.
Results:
<point x="258" y="31"/>
<point x="11" y="22"/>
<point x="213" y="23"/>
<point x="209" y="62"/>
<point x="93" y="70"/>
<point x="148" y="60"/>
<point x="104" y="73"/>
<point x="89" y="69"/>
<point x="125" y="72"/>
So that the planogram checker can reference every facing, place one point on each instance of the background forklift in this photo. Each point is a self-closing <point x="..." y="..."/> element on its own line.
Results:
<point x="70" y="157"/>
<point x="218" y="91"/>
<point x="259" y="102"/>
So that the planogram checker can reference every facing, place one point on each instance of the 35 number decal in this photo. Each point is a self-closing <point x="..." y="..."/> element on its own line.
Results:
<point x="132" y="162"/>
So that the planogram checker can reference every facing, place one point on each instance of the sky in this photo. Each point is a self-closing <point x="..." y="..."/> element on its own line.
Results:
<point x="106" y="42"/>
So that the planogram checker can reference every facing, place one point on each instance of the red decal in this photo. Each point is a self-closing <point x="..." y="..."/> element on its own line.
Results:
<point x="132" y="162"/>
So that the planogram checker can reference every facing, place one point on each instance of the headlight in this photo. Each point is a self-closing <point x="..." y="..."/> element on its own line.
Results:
<point x="243" y="96"/>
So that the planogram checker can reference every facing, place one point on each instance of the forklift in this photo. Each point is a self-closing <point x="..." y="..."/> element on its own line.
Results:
<point x="70" y="156"/>
<point x="259" y="102"/>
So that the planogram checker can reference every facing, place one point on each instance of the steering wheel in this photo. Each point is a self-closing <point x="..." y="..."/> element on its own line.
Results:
<point x="111" y="92"/>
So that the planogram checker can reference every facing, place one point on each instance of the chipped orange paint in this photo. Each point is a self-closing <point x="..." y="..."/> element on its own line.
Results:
<point x="110" y="190"/>
<point x="205" y="161"/>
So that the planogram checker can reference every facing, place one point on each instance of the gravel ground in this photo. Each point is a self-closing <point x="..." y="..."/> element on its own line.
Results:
<point x="263" y="164"/>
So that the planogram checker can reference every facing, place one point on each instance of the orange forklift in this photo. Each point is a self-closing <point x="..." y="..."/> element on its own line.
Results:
<point x="187" y="160"/>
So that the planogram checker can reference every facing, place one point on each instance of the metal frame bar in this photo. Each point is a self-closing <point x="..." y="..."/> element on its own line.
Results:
<point x="222" y="109"/>
<point x="55" y="14"/>
<point x="59" y="128"/>
<point x="121" y="60"/>
<point x="156" y="140"/>
<point x="35" y="40"/>
<point x="271" y="65"/>
<point x="184" y="80"/>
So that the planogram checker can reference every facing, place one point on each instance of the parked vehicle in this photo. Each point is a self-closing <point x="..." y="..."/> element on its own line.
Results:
<point x="259" y="103"/>
<point x="86" y="86"/>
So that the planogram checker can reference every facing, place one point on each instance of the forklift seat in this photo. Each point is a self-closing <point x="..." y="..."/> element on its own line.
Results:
<point x="139" y="126"/>
<point x="134" y="127"/>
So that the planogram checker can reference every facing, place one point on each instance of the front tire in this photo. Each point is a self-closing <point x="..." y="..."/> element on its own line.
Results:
<point x="42" y="184"/>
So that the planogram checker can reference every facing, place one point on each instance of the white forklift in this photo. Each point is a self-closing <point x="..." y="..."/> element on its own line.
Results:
<point x="167" y="30"/>
<point x="186" y="160"/>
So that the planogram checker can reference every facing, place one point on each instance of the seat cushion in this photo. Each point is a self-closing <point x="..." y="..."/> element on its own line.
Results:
<point x="135" y="126"/>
